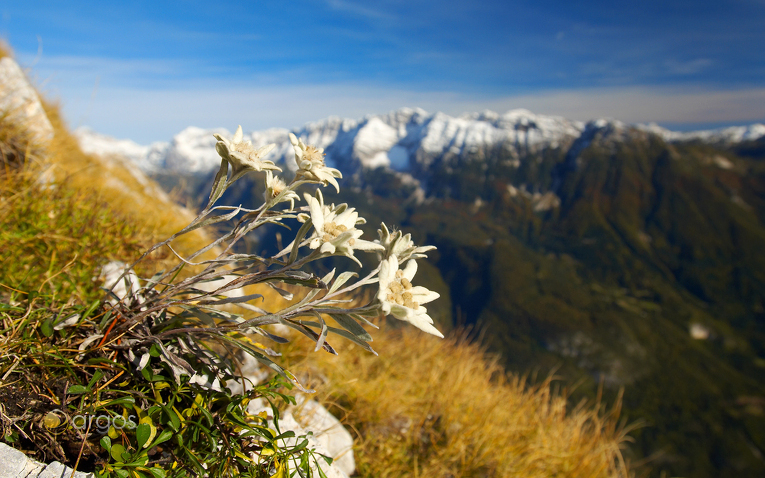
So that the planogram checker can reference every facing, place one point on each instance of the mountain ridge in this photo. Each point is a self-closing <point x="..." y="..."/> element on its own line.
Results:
<point x="401" y="140"/>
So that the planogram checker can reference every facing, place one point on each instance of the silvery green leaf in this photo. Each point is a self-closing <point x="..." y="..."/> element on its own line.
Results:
<point x="350" y="324"/>
<point x="266" y="361"/>
<point x="231" y="300"/>
<point x="341" y="279"/>
<point x="360" y="318"/>
<point x="69" y="321"/>
<point x="206" y="318"/>
<point x="275" y="338"/>
<point x="143" y="361"/>
<point x="251" y="308"/>
<point x="177" y="365"/>
<point x="353" y="339"/>
<point x="328" y="278"/>
<point x="322" y="335"/>
<point x="298" y="239"/>
<point x="286" y="295"/>
<point x="87" y="342"/>
<point x="368" y="310"/>
<point x="209" y="220"/>
<point x="310" y="295"/>
<point x="299" y="278"/>
<point x="309" y="333"/>
<point x="154" y="279"/>
<point x="219" y="184"/>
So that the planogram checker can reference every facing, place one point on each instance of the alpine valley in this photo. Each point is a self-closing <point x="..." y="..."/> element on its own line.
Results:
<point x="623" y="257"/>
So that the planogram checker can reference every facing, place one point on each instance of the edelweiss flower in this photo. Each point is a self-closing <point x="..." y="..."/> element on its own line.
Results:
<point x="310" y="161"/>
<point x="335" y="228"/>
<point x="399" y="245"/>
<point x="402" y="300"/>
<point x="242" y="156"/>
<point x="275" y="186"/>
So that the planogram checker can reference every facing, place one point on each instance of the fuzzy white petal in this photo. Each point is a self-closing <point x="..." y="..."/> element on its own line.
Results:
<point x="424" y="323"/>
<point x="422" y="295"/>
<point x="410" y="270"/>
<point x="363" y="245"/>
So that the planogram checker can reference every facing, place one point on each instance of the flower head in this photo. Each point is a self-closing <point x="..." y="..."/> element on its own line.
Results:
<point x="311" y="166"/>
<point x="275" y="186"/>
<point x="402" y="300"/>
<point x="335" y="228"/>
<point x="399" y="244"/>
<point x="241" y="155"/>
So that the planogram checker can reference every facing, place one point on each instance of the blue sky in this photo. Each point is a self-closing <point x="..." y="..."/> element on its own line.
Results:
<point x="146" y="70"/>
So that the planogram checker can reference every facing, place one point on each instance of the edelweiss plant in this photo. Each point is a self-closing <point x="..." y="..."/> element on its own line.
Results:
<point x="174" y="324"/>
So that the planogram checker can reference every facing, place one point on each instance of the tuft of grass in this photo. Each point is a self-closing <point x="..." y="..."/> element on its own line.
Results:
<point x="443" y="408"/>
<point x="54" y="239"/>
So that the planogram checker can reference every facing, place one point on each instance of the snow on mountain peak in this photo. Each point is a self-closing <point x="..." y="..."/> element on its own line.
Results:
<point x="731" y="134"/>
<point x="373" y="141"/>
<point x="145" y="157"/>
<point x="193" y="150"/>
<point x="398" y="139"/>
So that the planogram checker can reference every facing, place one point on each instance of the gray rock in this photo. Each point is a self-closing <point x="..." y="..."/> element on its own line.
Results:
<point x="329" y="433"/>
<point x="19" y="100"/>
<point x="57" y="470"/>
<point x="15" y="464"/>
<point x="12" y="462"/>
<point x="288" y="422"/>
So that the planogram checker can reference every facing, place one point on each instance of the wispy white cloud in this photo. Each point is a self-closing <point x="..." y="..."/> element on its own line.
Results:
<point x="644" y="104"/>
<point x="148" y="100"/>
<point x="360" y="10"/>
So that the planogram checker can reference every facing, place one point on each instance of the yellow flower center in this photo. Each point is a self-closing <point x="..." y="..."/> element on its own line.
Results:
<point x="314" y="156"/>
<point x="399" y="291"/>
<point x="277" y="187"/>
<point x="332" y="230"/>
<point x="243" y="147"/>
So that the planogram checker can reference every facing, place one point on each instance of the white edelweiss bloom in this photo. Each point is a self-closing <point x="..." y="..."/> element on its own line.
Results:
<point x="275" y="186"/>
<point x="402" y="300"/>
<point x="242" y="156"/>
<point x="400" y="245"/>
<point x="311" y="166"/>
<point x="335" y="229"/>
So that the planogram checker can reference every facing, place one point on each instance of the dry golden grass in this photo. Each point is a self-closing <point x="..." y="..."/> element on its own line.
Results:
<point x="118" y="182"/>
<point x="441" y="408"/>
<point x="425" y="407"/>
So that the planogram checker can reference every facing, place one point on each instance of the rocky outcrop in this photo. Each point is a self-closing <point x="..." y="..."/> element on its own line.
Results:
<point x="19" y="101"/>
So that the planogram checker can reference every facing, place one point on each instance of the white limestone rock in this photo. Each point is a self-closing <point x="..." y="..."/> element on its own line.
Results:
<point x="15" y="464"/>
<point x="329" y="432"/>
<point x="19" y="100"/>
<point x="110" y="273"/>
<point x="288" y="422"/>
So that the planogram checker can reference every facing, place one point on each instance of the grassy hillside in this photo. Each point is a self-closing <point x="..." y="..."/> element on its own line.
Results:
<point x="423" y="408"/>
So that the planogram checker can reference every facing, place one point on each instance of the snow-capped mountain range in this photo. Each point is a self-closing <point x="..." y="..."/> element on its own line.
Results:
<point x="400" y="140"/>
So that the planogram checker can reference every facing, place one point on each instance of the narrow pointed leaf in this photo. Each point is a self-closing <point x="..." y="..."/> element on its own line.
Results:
<point x="341" y="279"/>
<point x="349" y="323"/>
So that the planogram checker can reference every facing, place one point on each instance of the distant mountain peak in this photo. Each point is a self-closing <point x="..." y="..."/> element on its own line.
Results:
<point x="406" y="139"/>
<point x="729" y="135"/>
